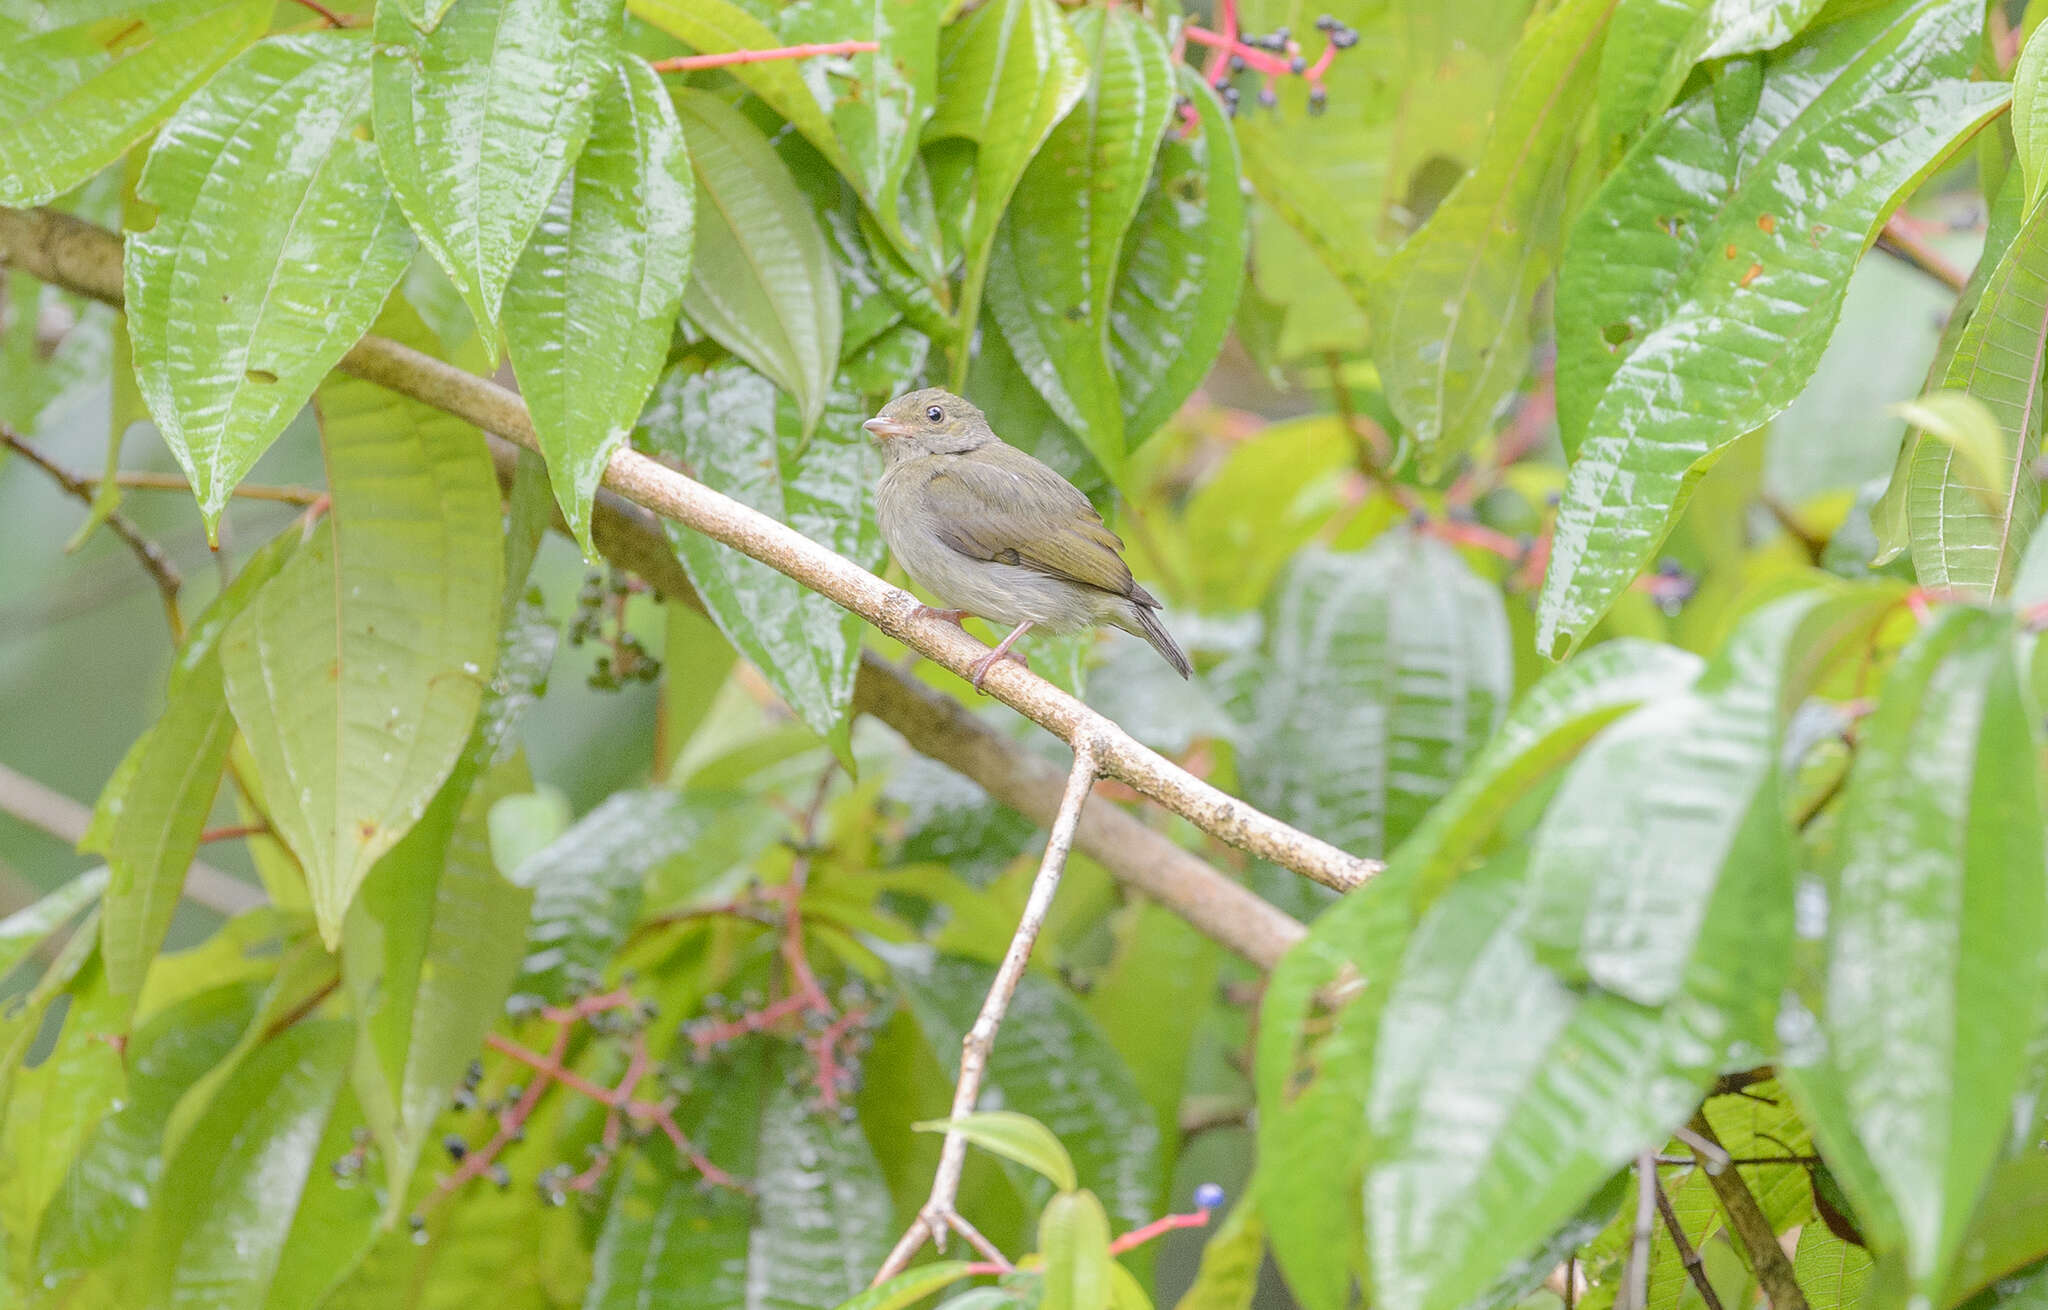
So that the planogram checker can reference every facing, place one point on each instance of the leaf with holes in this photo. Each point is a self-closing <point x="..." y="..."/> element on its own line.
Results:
<point x="592" y="303"/>
<point x="357" y="672"/>
<point x="75" y="98"/>
<point x="1060" y="245"/>
<point x="479" y="120"/>
<point x="1702" y="282"/>
<point x="275" y="245"/>
<point x="763" y="286"/>
<point x="1451" y="312"/>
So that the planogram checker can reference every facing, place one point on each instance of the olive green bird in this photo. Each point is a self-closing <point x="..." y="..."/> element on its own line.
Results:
<point x="992" y="532"/>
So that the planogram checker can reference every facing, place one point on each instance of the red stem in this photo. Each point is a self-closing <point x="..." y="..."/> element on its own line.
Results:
<point x="231" y="833"/>
<point x="1162" y="1225"/>
<point x="1219" y="62"/>
<point x="690" y="63"/>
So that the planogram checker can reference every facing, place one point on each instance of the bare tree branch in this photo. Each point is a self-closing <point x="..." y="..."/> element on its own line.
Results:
<point x="1695" y="1267"/>
<point x="86" y="259"/>
<point x="1752" y="1228"/>
<point x="936" y="1217"/>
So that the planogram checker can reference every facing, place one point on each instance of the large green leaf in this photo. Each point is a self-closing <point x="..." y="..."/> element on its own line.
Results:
<point x="1679" y="809"/>
<point x="1052" y="1063"/>
<point x="1655" y="43"/>
<point x="93" y="1216"/>
<point x="1701" y="284"/>
<point x="1060" y="245"/>
<point x="1008" y="73"/>
<point x="275" y="244"/>
<point x="730" y="429"/>
<point x="1969" y="528"/>
<point x="592" y="303"/>
<point x="763" y="286"/>
<point x="1554" y="1087"/>
<point x="1181" y="270"/>
<point x="152" y="810"/>
<point x="248" y="1213"/>
<point x="1384" y="671"/>
<point x="1937" y="937"/>
<point x="817" y="1225"/>
<point x="357" y="672"/>
<point x="73" y="99"/>
<point x="1451" y="314"/>
<point x="1073" y="1238"/>
<point x="436" y="935"/>
<point x="478" y="122"/>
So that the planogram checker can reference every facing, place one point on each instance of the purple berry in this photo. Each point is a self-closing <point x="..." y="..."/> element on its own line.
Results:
<point x="1209" y="1196"/>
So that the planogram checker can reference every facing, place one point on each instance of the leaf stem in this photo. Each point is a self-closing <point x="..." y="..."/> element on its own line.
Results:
<point x="691" y="63"/>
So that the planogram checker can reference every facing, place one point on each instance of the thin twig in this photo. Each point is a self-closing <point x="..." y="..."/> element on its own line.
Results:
<point x="333" y="19"/>
<point x="1901" y="241"/>
<point x="245" y="490"/>
<point x="151" y="556"/>
<point x="934" y="1219"/>
<point x="691" y="63"/>
<point x="1695" y="1267"/>
<point x="23" y="798"/>
<point x="1635" y="1286"/>
<point x="1753" y="1229"/>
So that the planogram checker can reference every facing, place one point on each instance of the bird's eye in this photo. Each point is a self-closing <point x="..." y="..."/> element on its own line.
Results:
<point x="934" y="414"/>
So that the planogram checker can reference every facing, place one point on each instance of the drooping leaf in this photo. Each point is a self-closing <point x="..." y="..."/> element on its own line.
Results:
<point x="1701" y="283"/>
<point x="763" y="286"/>
<point x="1073" y="1237"/>
<point x="1970" y="510"/>
<point x="732" y="431"/>
<point x="228" y="1225"/>
<point x="152" y="810"/>
<point x="1060" y="244"/>
<point x="74" y="98"/>
<point x="1008" y="73"/>
<point x="25" y="930"/>
<point x="1655" y="43"/>
<point x="356" y="674"/>
<point x="1937" y="939"/>
<point x="436" y="934"/>
<point x="1451" y="314"/>
<point x="592" y="303"/>
<point x="478" y="121"/>
<point x="1013" y="1136"/>
<point x="1053" y="1064"/>
<point x="275" y="245"/>
<point x="1181" y="270"/>
<point x="1384" y="672"/>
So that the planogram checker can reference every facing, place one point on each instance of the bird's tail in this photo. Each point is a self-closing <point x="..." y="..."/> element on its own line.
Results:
<point x="1151" y="629"/>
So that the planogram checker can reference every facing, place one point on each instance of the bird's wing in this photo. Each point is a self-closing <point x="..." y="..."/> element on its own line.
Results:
<point x="1002" y="505"/>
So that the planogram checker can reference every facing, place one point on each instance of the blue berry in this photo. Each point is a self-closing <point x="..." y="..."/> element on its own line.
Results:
<point x="1209" y="1196"/>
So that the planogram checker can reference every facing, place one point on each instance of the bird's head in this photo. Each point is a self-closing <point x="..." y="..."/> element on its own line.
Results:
<point x="933" y="421"/>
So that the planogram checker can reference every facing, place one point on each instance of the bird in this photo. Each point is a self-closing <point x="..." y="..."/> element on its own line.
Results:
<point x="992" y="532"/>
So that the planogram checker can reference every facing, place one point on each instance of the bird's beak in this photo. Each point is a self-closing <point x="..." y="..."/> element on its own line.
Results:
<point x="883" y="428"/>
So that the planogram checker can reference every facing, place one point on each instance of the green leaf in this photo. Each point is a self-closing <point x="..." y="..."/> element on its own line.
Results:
<point x="152" y="810"/>
<point x="25" y="930"/>
<point x="1937" y="936"/>
<point x="907" y="1289"/>
<point x="2007" y="1235"/>
<point x="93" y="1216"/>
<point x="1973" y="502"/>
<point x="1051" y="1063"/>
<point x="1701" y="284"/>
<point x="593" y="300"/>
<point x="1555" y="1088"/>
<point x="763" y="286"/>
<point x="1228" y="1276"/>
<point x="355" y="675"/>
<point x="1655" y="43"/>
<point x="2030" y="141"/>
<point x="248" y="1208"/>
<point x="73" y="99"/>
<point x="1673" y="821"/>
<point x="1829" y="1270"/>
<point x="1073" y="1236"/>
<point x="733" y="432"/>
<point x="478" y="122"/>
<point x="1451" y="313"/>
<point x="1961" y="422"/>
<point x="1384" y="672"/>
<point x="275" y="245"/>
<point x="435" y="936"/>
<point x="1059" y="248"/>
<point x="878" y="102"/>
<point x="1013" y="1136"/>
<point x="1008" y="73"/>
<point x="1181" y="270"/>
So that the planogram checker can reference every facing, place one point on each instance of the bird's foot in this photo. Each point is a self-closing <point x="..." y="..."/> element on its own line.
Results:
<point x="954" y="617"/>
<point x="980" y="667"/>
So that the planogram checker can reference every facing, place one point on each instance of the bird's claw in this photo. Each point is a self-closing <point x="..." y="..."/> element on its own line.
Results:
<point x="980" y="667"/>
<point x="955" y="617"/>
